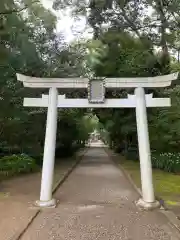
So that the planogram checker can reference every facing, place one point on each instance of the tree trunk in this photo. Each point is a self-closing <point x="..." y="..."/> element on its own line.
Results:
<point x="165" y="51"/>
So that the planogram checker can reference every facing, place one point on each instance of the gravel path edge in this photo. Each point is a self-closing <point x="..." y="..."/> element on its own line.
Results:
<point x="79" y="155"/>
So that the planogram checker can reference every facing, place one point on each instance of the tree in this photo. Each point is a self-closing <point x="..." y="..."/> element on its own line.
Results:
<point x="126" y="56"/>
<point x="154" y="22"/>
<point x="30" y="46"/>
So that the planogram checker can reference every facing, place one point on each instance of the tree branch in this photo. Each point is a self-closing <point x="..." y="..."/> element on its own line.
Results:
<point x="5" y="12"/>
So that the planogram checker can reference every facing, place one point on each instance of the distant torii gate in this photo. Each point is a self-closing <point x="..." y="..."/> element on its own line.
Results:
<point x="96" y="99"/>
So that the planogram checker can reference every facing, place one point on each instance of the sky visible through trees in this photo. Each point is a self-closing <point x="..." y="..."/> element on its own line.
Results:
<point x="66" y="24"/>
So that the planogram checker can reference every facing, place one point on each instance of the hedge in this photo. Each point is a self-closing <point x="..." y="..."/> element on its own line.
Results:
<point x="16" y="164"/>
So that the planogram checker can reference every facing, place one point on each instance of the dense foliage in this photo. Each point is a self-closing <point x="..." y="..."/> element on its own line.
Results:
<point x="30" y="45"/>
<point x="17" y="164"/>
<point x="169" y="162"/>
<point x="127" y="57"/>
<point x="131" y="39"/>
<point x="137" y="38"/>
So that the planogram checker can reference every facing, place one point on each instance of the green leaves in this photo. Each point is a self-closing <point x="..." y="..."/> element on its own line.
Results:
<point x="96" y="51"/>
<point x="16" y="164"/>
<point x="128" y="57"/>
<point x="169" y="162"/>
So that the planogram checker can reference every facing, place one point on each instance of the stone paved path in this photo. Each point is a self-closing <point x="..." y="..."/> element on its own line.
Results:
<point x="97" y="202"/>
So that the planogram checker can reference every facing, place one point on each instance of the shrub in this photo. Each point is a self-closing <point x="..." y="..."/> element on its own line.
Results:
<point x="66" y="151"/>
<point x="38" y="159"/>
<point x="132" y="153"/>
<point x="169" y="162"/>
<point x="16" y="164"/>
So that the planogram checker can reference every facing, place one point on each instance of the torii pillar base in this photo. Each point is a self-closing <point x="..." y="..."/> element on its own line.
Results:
<point x="46" y="204"/>
<point x="147" y="205"/>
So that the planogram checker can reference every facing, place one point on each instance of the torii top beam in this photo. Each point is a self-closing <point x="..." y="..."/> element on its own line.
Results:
<point x="148" y="82"/>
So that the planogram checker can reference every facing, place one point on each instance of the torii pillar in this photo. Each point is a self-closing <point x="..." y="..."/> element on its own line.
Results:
<point x="148" y="198"/>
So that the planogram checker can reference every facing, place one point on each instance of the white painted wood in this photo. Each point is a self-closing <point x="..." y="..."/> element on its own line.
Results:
<point x="147" y="96"/>
<point x="49" y="150"/>
<point x="60" y="97"/>
<point x="158" y="102"/>
<point x="153" y="102"/>
<point x="84" y="103"/>
<point x="153" y="82"/>
<point x="34" y="82"/>
<point x="144" y="147"/>
<point x="35" y="102"/>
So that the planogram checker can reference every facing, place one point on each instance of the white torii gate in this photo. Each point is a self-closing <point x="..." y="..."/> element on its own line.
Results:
<point x="139" y="101"/>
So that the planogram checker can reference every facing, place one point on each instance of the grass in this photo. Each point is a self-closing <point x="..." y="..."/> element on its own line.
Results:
<point x="166" y="185"/>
